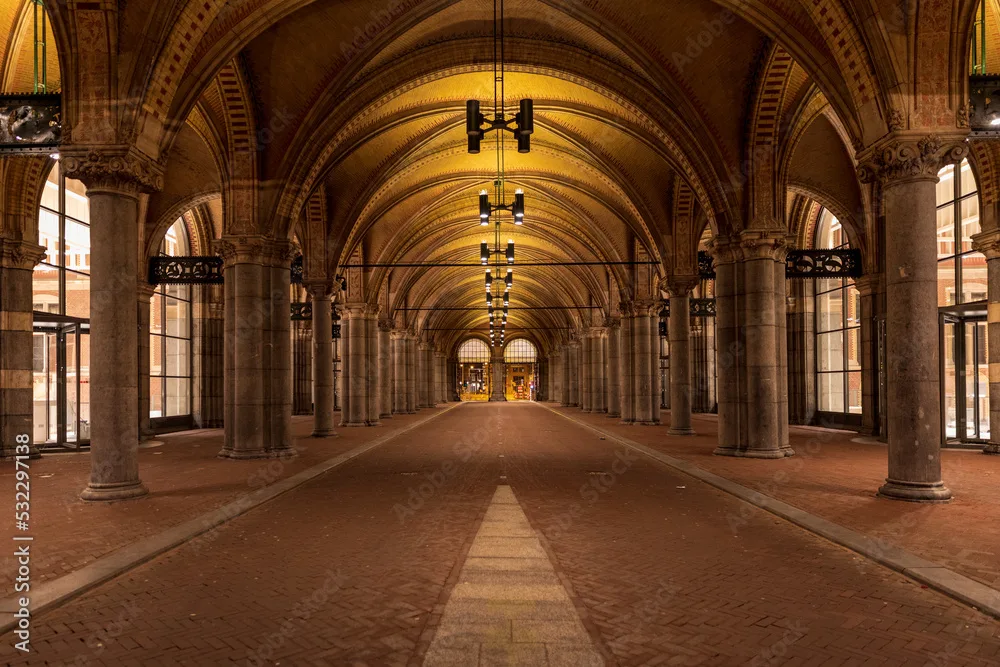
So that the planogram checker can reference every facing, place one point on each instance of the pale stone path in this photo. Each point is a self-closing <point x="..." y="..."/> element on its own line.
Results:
<point x="509" y="607"/>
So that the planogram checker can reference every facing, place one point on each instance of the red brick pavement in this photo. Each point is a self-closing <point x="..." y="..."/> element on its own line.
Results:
<point x="835" y="478"/>
<point x="332" y="573"/>
<point x="185" y="479"/>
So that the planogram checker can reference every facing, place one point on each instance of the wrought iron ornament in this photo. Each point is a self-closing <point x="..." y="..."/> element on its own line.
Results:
<point x="698" y="308"/>
<point x="823" y="264"/>
<point x="194" y="270"/>
<point x="706" y="267"/>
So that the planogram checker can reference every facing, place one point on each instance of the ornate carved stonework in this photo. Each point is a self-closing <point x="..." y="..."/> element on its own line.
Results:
<point x="987" y="243"/>
<point x="319" y="289"/>
<point x="120" y="169"/>
<point x="254" y="250"/>
<point x="16" y="254"/>
<point x="679" y="285"/>
<point x="898" y="159"/>
<point x="763" y="245"/>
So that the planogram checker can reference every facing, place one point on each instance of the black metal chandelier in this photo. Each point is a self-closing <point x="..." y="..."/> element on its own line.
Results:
<point x="522" y="127"/>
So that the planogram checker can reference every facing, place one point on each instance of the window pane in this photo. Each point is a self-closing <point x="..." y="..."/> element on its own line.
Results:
<point x="178" y="400"/>
<point x="853" y="306"/>
<point x="853" y="337"/>
<point x="970" y="221"/>
<point x="156" y="355"/>
<point x="178" y="318"/>
<point x="946" y="231"/>
<point x="854" y="393"/>
<point x="77" y="246"/>
<point x="77" y="294"/>
<point x="830" y="311"/>
<point x="50" y="194"/>
<point x="48" y="235"/>
<point x="973" y="277"/>
<point x="831" y="392"/>
<point x="178" y="357"/>
<point x="155" y="397"/>
<point x="45" y="289"/>
<point x="77" y="205"/>
<point x="178" y="291"/>
<point x="830" y="351"/>
<point x="156" y="313"/>
<point x="946" y="282"/>
<point x="946" y="185"/>
<point x="968" y="179"/>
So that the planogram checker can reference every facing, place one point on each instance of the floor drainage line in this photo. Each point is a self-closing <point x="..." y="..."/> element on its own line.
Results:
<point x="56" y="592"/>
<point x="934" y="575"/>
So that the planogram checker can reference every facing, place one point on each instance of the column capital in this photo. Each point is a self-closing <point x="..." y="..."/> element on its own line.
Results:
<point x="399" y="334"/>
<point x="613" y="322"/>
<point x="987" y="243"/>
<point x="724" y="250"/>
<point x="261" y="250"/>
<point x="145" y="291"/>
<point x="905" y="157"/>
<point x="319" y="290"/>
<point x="868" y="284"/>
<point x="680" y="286"/>
<point x="119" y="169"/>
<point x="761" y="244"/>
<point x="646" y="307"/>
<point x="385" y="325"/>
<point x="20" y="254"/>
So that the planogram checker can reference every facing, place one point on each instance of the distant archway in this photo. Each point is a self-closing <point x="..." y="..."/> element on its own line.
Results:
<point x="521" y="370"/>
<point x="474" y="370"/>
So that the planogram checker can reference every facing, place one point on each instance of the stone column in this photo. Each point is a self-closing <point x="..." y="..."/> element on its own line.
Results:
<point x="321" y="295"/>
<point x="17" y="262"/>
<point x="373" y="382"/>
<point x="423" y="370"/>
<point x="587" y="377"/>
<point x="681" y="367"/>
<point x="386" y="367"/>
<point x="988" y="243"/>
<point x="656" y="394"/>
<point x="399" y="372"/>
<point x="907" y="168"/>
<point x="499" y="380"/>
<point x="114" y="345"/>
<point x="440" y="394"/>
<point x="412" y="395"/>
<point x="597" y="373"/>
<point x="614" y="368"/>
<point x="208" y="351"/>
<point x="802" y="353"/>
<point x="354" y="365"/>
<point x="750" y="299"/>
<point x="626" y="364"/>
<point x="869" y="286"/>
<point x="574" y="373"/>
<point x="145" y="293"/>
<point x="258" y="363"/>
<point x="644" y="392"/>
<point x="564" y="376"/>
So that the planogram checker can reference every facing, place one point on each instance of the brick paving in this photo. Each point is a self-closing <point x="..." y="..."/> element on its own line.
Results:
<point x="185" y="480"/>
<point x="356" y="567"/>
<point x="835" y="478"/>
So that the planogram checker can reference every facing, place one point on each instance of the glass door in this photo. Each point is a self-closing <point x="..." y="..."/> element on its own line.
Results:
<point x="964" y="378"/>
<point x="61" y="381"/>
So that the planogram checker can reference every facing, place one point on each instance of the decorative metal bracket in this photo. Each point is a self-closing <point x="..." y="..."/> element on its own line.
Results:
<point x="699" y="308"/>
<point x="196" y="270"/>
<point x="823" y="264"/>
<point x="303" y="312"/>
<point x="30" y="124"/>
<point x="706" y="267"/>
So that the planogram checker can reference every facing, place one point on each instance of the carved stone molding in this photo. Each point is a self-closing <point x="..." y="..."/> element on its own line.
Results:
<point x="679" y="286"/>
<point x="905" y="158"/>
<point x="385" y="325"/>
<point x="319" y="289"/>
<point x="627" y="308"/>
<point x="724" y="250"/>
<point x="868" y="284"/>
<point x="20" y="254"/>
<point x="763" y="245"/>
<point x="987" y="243"/>
<point x="113" y="168"/>
<point x="254" y="250"/>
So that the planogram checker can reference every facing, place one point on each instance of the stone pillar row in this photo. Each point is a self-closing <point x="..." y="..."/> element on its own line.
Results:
<point x="681" y="366"/>
<point x="989" y="244"/>
<point x="386" y="369"/>
<point x="321" y="295"/>
<point x="360" y="364"/>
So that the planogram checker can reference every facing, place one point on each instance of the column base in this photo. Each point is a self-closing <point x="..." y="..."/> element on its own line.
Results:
<point x="373" y="423"/>
<point x="992" y="448"/>
<point x="250" y="455"/>
<point x="353" y="424"/>
<point x="916" y="492"/>
<point x="614" y="415"/>
<point x="387" y="415"/>
<point x="502" y="399"/>
<point x="681" y="431"/>
<point x="109" y="492"/>
<point x="645" y="422"/>
<point x="753" y="453"/>
<point x="324" y="433"/>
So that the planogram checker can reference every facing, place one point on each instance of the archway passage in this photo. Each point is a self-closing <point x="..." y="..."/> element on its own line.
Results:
<point x="474" y="377"/>
<point x="520" y="370"/>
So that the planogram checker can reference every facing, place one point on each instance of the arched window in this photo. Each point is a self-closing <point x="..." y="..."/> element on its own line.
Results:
<point x="473" y="351"/>
<point x="170" y="337"/>
<point x="838" y="330"/>
<point x="474" y="379"/>
<point x="521" y="372"/>
<point x="61" y="282"/>
<point x="520" y="351"/>
<point x="961" y="270"/>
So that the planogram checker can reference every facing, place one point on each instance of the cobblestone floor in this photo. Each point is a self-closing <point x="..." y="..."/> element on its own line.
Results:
<point x="356" y="567"/>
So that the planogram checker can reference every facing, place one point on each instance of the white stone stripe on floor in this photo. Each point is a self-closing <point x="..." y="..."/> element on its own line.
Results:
<point x="509" y="606"/>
